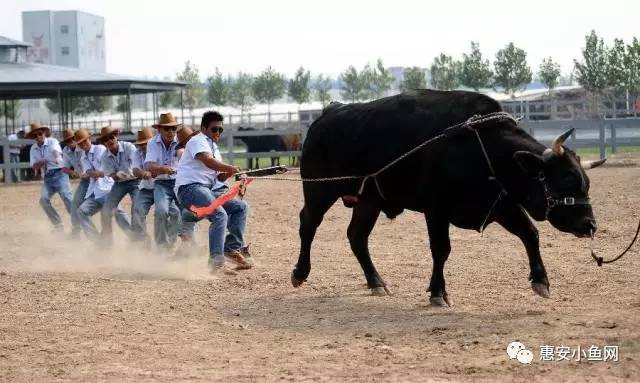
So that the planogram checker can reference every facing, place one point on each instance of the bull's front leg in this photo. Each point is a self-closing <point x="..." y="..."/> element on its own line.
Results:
<point x="440" y="244"/>
<point x="517" y="222"/>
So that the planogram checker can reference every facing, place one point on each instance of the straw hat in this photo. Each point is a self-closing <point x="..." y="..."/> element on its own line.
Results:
<point x="81" y="135"/>
<point x="67" y="135"/>
<point x="35" y="127"/>
<point x="106" y="132"/>
<point x="166" y="119"/>
<point x="184" y="134"/>
<point x="144" y="135"/>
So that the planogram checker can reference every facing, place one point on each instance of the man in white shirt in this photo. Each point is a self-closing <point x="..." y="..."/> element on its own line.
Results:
<point x="71" y="158"/>
<point x="200" y="180"/>
<point x="14" y="155"/>
<point x="117" y="163"/>
<point x="161" y="161"/>
<point x="144" y="198"/>
<point x="46" y="154"/>
<point x="98" y="187"/>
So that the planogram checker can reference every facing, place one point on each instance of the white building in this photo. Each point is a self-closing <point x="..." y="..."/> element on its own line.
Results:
<point x="67" y="38"/>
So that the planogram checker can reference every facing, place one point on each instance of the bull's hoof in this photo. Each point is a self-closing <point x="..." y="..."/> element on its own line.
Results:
<point x="379" y="292"/>
<point x="295" y="281"/>
<point x="541" y="289"/>
<point x="439" y="301"/>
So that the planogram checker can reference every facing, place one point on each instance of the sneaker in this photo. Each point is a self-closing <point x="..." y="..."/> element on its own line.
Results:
<point x="237" y="259"/>
<point x="221" y="269"/>
<point x="244" y="251"/>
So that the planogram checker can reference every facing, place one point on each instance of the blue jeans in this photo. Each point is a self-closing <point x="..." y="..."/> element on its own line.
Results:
<point x="141" y="207"/>
<point x="90" y="206"/>
<point x="55" y="181"/>
<point x="111" y="201"/>
<point x="167" y="212"/>
<point x="78" y="198"/>
<point x="232" y="216"/>
<point x="14" y="158"/>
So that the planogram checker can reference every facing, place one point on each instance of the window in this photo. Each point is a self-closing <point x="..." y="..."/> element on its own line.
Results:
<point x="65" y="51"/>
<point x="64" y="29"/>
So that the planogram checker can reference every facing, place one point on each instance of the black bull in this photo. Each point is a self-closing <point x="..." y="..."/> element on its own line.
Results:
<point x="449" y="180"/>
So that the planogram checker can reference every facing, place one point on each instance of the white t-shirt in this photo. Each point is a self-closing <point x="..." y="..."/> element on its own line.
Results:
<point x="91" y="161"/>
<point x="138" y="163"/>
<point x="50" y="151"/>
<point x="158" y="153"/>
<point x="191" y="170"/>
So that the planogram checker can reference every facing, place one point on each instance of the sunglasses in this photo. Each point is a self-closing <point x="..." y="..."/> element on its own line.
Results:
<point x="170" y="128"/>
<point x="217" y="130"/>
<point x="38" y="134"/>
<point x="111" y="137"/>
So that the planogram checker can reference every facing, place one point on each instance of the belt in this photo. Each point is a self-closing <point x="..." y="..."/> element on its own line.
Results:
<point x="52" y="172"/>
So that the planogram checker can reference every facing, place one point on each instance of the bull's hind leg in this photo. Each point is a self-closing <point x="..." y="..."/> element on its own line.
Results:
<point x="440" y="248"/>
<point x="311" y="217"/>
<point x="363" y="220"/>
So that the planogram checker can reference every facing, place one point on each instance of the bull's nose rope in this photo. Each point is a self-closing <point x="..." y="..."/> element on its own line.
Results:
<point x="600" y="260"/>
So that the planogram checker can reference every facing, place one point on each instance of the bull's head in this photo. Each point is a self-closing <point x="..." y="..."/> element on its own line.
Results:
<point x="558" y="187"/>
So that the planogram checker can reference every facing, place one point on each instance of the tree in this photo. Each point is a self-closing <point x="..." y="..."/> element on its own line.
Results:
<point x="97" y="104"/>
<point x="352" y="84"/>
<point x="617" y="77"/>
<point x="240" y="93"/>
<point x="217" y="89"/>
<point x="376" y="81"/>
<point x="193" y="92"/>
<point x="268" y="87"/>
<point x="414" y="78"/>
<point x="445" y="72"/>
<point x="12" y="111"/>
<point x="549" y="73"/>
<point x="322" y="87"/>
<point x="511" y="70"/>
<point x="168" y="99"/>
<point x="475" y="72"/>
<point x="299" y="86"/>
<point x="591" y="73"/>
<point x="632" y="67"/>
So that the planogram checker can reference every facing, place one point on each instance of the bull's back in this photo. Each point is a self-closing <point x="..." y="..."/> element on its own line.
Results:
<point x="360" y="138"/>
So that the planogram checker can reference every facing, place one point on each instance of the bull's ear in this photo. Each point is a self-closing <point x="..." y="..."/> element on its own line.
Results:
<point x="530" y="163"/>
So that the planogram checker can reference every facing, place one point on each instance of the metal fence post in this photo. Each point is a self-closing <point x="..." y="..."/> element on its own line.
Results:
<point x="6" y="158"/>
<point x="603" y="146"/>
<point x="230" y="155"/>
<point x="614" y="144"/>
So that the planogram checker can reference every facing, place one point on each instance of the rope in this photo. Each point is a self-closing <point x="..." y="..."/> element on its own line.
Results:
<point x="600" y="260"/>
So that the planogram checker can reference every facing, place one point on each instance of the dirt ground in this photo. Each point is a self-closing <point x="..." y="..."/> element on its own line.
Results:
<point x="73" y="312"/>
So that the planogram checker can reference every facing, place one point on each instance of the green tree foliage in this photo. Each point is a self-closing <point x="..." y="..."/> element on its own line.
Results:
<point x="549" y="73"/>
<point x="97" y="104"/>
<point x="414" y="78"/>
<point x="632" y="67"/>
<point x="591" y="73"/>
<point x="12" y="111"/>
<point x="617" y="76"/>
<point x="352" y="84"/>
<point x="511" y="70"/>
<point x="475" y="72"/>
<point x="218" y="89"/>
<point x="168" y="99"/>
<point x="376" y="81"/>
<point x="322" y="86"/>
<point x="193" y="92"/>
<point x="299" y="86"/>
<point x="268" y="86"/>
<point x="445" y="73"/>
<point x="240" y="93"/>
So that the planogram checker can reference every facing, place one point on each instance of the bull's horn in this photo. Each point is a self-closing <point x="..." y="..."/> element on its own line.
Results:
<point x="592" y="164"/>
<point x="556" y="145"/>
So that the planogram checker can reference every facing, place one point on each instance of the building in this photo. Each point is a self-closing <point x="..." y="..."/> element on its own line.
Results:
<point x="65" y="38"/>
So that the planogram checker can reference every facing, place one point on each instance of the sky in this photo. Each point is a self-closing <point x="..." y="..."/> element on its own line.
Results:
<point x="155" y="38"/>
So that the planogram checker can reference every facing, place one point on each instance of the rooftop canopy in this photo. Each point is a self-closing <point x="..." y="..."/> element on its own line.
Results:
<point x="11" y="43"/>
<point x="26" y="80"/>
